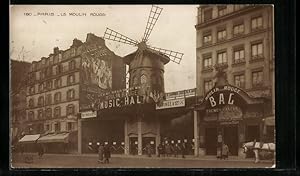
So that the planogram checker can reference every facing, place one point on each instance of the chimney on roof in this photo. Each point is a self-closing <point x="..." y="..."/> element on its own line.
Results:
<point x="76" y="43"/>
<point x="93" y="38"/>
<point x="55" y="50"/>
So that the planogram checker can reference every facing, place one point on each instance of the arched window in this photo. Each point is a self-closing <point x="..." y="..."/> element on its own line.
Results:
<point x="49" y="113"/>
<point x="71" y="79"/>
<point x="70" y="109"/>
<point x="41" y="101"/>
<point x="41" y="114"/>
<point x="72" y="65"/>
<point x="57" y="112"/>
<point x="41" y="87"/>
<point x="57" y="83"/>
<point x="48" y="99"/>
<point x="31" y="103"/>
<point x="144" y="79"/>
<point x="57" y="97"/>
<point x="134" y="80"/>
<point x="30" y="115"/>
<point x="70" y="94"/>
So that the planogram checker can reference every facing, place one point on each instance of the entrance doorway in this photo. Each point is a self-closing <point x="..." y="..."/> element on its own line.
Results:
<point x="148" y="140"/>
<point x="230" y="134"/>
<point x="252" y="133"/>
<point x="133" y="145"/>
<point x="211" y="141"/>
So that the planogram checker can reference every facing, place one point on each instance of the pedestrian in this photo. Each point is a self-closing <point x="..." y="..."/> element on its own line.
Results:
<point x="219" y="147"/>
<point x="148" y="149"/>
<point x="183" y="150"/>
<point x="100" y="153"/>
<point x="159" y="149"/>
<point x="225" y="151"/>
<point x="106" y="153"/>
<point x="177" y="150"/>
<point x="40" y="150"/>
<point x="168" y="150"/>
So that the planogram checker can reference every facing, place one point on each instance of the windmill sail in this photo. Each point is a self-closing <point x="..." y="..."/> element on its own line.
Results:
<point x="173" y="55"/>
<point x="118" y="37"/>
<point x="152" y="19"/>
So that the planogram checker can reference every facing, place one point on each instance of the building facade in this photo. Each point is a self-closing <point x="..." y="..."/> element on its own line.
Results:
<point x="238" y="40"/>
<point x="56" y="84"/>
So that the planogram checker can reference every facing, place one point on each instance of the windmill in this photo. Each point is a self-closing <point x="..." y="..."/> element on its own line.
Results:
<point x="146" y="64"/>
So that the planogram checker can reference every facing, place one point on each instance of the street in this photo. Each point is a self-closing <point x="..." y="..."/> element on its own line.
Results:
<point x="122" y="161"/>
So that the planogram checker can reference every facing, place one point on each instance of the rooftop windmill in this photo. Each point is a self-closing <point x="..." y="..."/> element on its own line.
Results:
<point x="146" y="65"/>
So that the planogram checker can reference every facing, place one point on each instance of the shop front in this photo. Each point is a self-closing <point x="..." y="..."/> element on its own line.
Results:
<point x="130" y="125"/>
<point x="228" y="115"/>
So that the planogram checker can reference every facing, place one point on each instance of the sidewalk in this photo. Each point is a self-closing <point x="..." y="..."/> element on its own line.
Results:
<point x="154" y="157"/>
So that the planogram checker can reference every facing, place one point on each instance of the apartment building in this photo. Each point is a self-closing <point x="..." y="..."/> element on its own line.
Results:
<point x="236" y="40"/>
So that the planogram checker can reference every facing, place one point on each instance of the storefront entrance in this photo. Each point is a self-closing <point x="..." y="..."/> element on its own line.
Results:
<point x="133" y="145"/>
<point x="148" y="140"/>
<point x="230" y="136"/>
<point x="211" y="141"/>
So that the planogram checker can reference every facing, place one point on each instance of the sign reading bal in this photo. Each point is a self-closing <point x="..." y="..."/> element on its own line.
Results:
<point x="221" y="100"/>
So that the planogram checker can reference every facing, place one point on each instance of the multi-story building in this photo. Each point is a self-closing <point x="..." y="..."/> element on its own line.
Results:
<point x="56" y="84"/>
<point x="237" y="39"/>
<point x="18" y="98"/>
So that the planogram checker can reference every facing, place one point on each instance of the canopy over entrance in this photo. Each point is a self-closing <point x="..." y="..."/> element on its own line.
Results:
<point x="49" y="138"/>
<point x="29" y="138"/>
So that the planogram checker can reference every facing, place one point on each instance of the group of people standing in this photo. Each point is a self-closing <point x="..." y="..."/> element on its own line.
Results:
<point x="222" y="150"/>
<point x="103" y="153"/>
<point x="169" y="150"/>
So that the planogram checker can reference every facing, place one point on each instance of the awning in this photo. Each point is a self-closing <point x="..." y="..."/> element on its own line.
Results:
<point x="29" y="138"/>
<point x="49" y="138"/>
<point x="270" y="121"/>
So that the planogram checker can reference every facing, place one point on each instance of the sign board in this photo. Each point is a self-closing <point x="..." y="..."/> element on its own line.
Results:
<point x="180" y="94"/>
<point x="172" y="104"/>
<point x="88" y="114"/>
<point x="260" y="93"/>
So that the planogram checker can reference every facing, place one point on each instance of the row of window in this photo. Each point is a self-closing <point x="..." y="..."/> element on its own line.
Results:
<point x="238" y="55"/>
<point x="57" y="126"/>
<point x="221" y="11"/>
<point x="239" y="81"/>
<point x="238" y="29"/>
<point x="48" y="101"/>
<point x="52" y="84"/>
<point x="47" y="114"/>
<point x="52" y="70"/>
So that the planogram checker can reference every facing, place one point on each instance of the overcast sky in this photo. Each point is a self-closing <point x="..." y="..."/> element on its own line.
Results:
<point x="35" y="36"/>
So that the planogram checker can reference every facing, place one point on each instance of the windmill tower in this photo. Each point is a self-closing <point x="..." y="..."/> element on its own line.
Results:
<point x="146" y="70"/>
<point x="146" y="64"/>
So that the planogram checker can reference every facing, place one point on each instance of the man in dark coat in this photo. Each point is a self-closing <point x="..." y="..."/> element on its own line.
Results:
<point x="100" y="153"/>
<point x="106" y="153"/>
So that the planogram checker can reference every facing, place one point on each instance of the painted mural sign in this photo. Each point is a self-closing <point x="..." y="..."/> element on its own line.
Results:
<point x="97" y="66"/>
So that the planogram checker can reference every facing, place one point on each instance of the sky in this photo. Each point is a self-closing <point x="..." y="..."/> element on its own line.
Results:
<point x="36" y="29"/>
